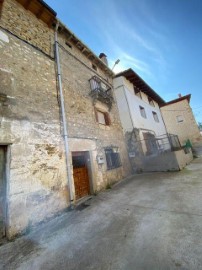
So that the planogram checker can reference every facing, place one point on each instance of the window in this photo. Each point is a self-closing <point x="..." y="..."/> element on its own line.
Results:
<point x="68" y="44"/>
<point x="180" y="119"/>
<point x="94" y="67"/>
<point x="142" y="112"/>
<point x="155" y="115"/>
<point x="102" y="117"/>
<point x="151" y="102"/>
<point x="112" y="157"/>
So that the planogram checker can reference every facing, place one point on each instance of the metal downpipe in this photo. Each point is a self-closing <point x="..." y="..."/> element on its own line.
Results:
<point x="64" y="122"/>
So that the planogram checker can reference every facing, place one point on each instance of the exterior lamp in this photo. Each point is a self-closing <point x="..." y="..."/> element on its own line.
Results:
<point x="117" y="61"/>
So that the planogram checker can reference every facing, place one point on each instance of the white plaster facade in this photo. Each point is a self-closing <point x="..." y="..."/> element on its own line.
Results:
<point x="129" y="108"/>
<point x="150" y="147"/>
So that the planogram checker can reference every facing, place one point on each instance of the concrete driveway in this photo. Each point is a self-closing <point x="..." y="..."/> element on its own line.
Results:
<point x="151" y="221"/>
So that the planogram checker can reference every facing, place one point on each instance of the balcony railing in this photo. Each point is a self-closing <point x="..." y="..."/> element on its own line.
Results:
<point x="101" y="91"/>
<point x="153" y="145"/>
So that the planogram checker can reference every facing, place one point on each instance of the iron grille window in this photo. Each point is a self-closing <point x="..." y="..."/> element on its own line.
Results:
<point x="112" y="158"/>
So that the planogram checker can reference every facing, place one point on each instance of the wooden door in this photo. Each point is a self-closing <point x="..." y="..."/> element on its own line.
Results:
<point x="80" y="174"/>
<point x="2" y="191"/>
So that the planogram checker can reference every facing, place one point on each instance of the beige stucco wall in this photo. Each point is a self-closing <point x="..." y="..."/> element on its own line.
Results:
<point x="30" y="120"/>
<point x="185" y="130"/>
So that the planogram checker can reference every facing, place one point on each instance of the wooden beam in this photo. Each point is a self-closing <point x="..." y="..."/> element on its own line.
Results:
<point x="27" y="4"/>
<point x="50" y="22"/>
<point x="84" y="49"/>
<point x="40" y="12"/>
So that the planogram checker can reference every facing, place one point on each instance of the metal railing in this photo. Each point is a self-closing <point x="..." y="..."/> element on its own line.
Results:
<point x="101" y="91"/>
<point x="97" y="84"/>
<point x="156" y="145"/>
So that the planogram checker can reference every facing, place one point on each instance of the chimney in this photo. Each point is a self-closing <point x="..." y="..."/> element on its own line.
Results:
<point x="179" y="95"/>
<point x="103" y="57"/>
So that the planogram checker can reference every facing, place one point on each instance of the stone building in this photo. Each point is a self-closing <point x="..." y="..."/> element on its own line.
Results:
<point x="37" y="179"/>
<point x="179" y="119"/>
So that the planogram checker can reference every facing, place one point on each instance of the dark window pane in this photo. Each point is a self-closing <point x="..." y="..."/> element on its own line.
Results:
<point x="112" y="158"/>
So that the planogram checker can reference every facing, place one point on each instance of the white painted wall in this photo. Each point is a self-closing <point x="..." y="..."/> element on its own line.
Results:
<point x="123" y="107"/>
<point x="128" y="104"/>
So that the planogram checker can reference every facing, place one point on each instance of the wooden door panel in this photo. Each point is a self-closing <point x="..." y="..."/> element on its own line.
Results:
<point x="81" y="182"/>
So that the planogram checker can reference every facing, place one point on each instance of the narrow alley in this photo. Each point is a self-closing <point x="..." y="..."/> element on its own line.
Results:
<point x="150" y="221"/>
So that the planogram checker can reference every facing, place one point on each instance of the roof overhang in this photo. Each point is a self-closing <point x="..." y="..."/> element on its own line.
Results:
<point x="72" y="38"/>
<point x="141" y="85"/>
<point x="45" y="13"/>
<point x="1" y="5"/>
<point x="40" y="9"/>
<point x="187" y="97"/>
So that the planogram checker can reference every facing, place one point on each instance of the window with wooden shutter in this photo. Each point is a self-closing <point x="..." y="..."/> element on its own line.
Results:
<point x="102" y="117"/>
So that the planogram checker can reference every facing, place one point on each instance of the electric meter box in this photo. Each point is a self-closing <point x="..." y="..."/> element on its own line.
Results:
<point x="100" y="160"/>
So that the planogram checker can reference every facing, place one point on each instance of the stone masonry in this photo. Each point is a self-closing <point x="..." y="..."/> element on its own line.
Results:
<point x="30" y="120"/>
<point x="187" y="129"/>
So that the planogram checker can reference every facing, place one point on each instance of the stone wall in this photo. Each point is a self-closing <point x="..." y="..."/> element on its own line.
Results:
<point x="30" y="120"/>
<point x="187" y="129"/>
<point x="27" y="26"/>
<point x="30" y="124"/>
<point x="81" y="118"/>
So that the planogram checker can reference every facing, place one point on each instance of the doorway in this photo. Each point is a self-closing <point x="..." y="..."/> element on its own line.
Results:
<point x="81" y="174"/>
<point x="151" y="144"/>
<point x="2" y="191"/>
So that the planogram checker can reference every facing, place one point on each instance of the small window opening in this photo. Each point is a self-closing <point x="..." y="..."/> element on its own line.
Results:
<point x="69" y="45"/>
<point x="180" y="119"/>
<point x="142" y="112"/>
<point x="112" y="157"/>
<point x="155" y="115"/>
<point x="94" y="67"/>
<point x="102" y="117"/>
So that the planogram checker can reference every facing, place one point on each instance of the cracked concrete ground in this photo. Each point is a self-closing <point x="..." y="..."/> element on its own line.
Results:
<point x="150" y="221"/>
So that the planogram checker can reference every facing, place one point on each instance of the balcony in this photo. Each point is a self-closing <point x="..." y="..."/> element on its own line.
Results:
<point x="100" y="91"/>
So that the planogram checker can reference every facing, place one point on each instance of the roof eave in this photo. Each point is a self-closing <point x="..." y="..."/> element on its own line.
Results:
<point x="148" y="90"/>
<point x="84" y="48"/>
<point x="187" y="97"/>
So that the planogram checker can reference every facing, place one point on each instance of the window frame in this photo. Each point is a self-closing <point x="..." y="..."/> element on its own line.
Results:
<point x="106" y="117"/>
<point x="143" y="112"/>
<point x="113" y="160"/>
<point x="155" y="116"/>
<point x="94" y="66"/>
<point x="182" y="119"/>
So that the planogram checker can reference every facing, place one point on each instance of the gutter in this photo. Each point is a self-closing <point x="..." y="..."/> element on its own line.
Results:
<point x="64" y="121"/>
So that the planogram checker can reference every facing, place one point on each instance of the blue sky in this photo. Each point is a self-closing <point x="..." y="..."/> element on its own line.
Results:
<point x="161" y="40"/>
